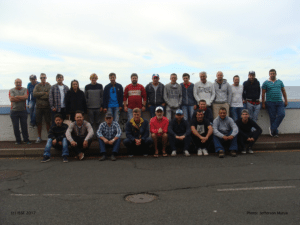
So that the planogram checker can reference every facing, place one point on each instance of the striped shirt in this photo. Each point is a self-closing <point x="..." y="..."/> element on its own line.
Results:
<point x="109" y="132"/>
<point x="273" y="90"/>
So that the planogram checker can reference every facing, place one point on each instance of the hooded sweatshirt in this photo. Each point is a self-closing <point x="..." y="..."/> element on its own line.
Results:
<point x="155" y="97"/>
<point x="204" y="91"/>
<point x="223" y="92"/>
<point x="251" y="92"/>
<point x="173" y="95"/>
<point x="223" y="127"/>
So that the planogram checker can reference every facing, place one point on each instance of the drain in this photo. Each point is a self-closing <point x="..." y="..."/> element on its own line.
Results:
<point x="9" y="173"/>
<point x="141" y="198"/>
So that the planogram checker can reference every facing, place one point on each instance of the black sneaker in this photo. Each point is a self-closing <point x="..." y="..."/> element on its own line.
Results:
<point x="233" y="153"/>
<point x="102" y="158"/>
<point x="113" y="158"/>
<point x="65" y="159"/>
<point x="221" y="154"/>
<point x="45" y="159"/>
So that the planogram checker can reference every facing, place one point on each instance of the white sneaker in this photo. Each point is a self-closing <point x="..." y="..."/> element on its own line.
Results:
<point x="270" y="132"/>
<point x="173" y="153"/>
<point x="186" y="153"/>
<point x="204" y="151"/>
<point x="199" y="152"/>
<point x="38" y="140"/>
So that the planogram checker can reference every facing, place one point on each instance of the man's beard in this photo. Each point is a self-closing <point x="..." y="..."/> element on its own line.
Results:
<point x="134" y="82"/>
<point x="159" y="117"/>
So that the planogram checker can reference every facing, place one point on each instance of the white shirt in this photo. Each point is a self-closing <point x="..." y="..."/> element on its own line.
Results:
<point x="62" y="95"/>
<point x="237" y="98"/>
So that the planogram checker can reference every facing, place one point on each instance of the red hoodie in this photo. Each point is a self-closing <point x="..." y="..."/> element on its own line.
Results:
<point x="155" y="124"/>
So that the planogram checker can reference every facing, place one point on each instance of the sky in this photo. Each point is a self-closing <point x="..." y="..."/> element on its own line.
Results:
<point x="78" y="38"/>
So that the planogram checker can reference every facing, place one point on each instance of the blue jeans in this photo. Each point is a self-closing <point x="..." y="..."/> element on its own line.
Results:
<point x="116" y="146"/>
<point x="129" y="114"/>
<point x="152" y="110"/>
<point x="32" y="111"/>
<point x="276" y="112"/>
<point x="236" y="113"/>
<point x="115" y="111"/>
<point x="188" y="111"/>
<point x="65" y="150"/>
<point x="253" y="110"/>
<point x="218" y="142"/>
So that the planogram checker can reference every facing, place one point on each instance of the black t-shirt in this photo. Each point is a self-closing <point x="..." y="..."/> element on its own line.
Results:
<point x="201" y="127"/>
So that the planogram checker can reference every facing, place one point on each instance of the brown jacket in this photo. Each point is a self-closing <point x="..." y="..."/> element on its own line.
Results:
<point x="41" y="93"/>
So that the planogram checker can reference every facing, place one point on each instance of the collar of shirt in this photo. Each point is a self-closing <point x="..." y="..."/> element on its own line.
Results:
<point x="187" y="85"/>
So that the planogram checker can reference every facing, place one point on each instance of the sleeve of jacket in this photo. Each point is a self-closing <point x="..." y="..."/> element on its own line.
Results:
<point x="188" y="128"/>
<point x="119" y="131"/>
<point x="258" y="89"/>
<point x="147" y="92"/>
<point x="170" y="128"/>
<point x="84" y="104"/>
<point x="105" y="97"/>
<point x="69" y="132"/>
<point x="216" y="132"/>
<point x="180" y="96"/>
<point x="128" y="130"/>
<point x="229" y="93"/>
<point x="36" y="92"/>
<point x="257" y="128"/>
<point x="213" y="94"/>
<point x="62" y="136"/>
<point x="121" y="96"/>
<point x="234" y="127"/>
<point x="146" y="130"/>
<point x="86" y="95"/>
<point x="166" y="95"/>
<point x="50" y="134"/>
<point x="163" y="91"/>
<point x="242" y="133"/>
<point x="244" y="91"/>
<point x="67" y="102"/>
<point x="144" y="94"/>
<point x="90" y="130"/>
<point x="210" y="116"/>
<point x="125" y="94"/>
<point x="51" y="102"/>
<point x="195" y="94"/>
<point x="101" y="95"/>
<point x="28" y="99"/>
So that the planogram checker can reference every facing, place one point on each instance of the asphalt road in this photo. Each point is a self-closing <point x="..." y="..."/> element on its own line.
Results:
<point x="263" y="188"/>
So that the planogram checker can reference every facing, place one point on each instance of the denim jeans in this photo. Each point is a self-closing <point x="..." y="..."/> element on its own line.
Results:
<point x="219" y="142"/>
<point x="64" y="147"/>
<point x="236" y="113"/>
<point x="276" y="112"/>
<point x="17" y="118"/>
<point x="253" y="111"/>
<point x="188" y="111"/>
<point x="129" y="114"/>
<point x="32" y="111"/>
<point x="116" y="112"/>
<point x="152" y="109"/>
<point x="115" y="146"/>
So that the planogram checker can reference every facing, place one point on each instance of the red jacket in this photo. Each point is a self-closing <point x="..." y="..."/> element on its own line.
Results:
<point x="155" y="124"/>
<point x="135" y="94"/>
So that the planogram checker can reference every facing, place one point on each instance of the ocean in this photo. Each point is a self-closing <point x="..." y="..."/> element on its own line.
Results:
<point x="293" y="93"/>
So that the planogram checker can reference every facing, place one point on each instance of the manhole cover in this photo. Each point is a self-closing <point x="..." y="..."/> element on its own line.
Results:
<point x="9" y="173"/>
<point x="141" y="198"/>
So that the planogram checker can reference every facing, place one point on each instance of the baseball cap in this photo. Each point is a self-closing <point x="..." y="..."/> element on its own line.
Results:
<point x="252" y="72"/>
<point x="109" y="114"/>
<point x="179" y="112"/>
<point x="32" y="77"/>
<point x="159" y="108"/>
<point x="155" y="75"/>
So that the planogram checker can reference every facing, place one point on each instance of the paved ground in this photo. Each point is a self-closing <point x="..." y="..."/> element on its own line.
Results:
<point x="263" y="188"/>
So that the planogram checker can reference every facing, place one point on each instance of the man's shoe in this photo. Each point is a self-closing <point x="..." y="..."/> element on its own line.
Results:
<point x="243" y="151"/>
<point x="250" y="151"/>
<point x="38" y="140"/>
<point x="186" y="153"/>
<point x="81" y="156"/>
<point x="199" y="153"/>
<point x="173" y="153"/>
<point x="65" y="159"/>
<point x="130" y="156"/>
<point x="221" y="154"/>
<point x="113" y="158"/>
<point x="145" y="155"/>
<point x="233" y="153"/>
<point x="276" y="135"/>
<point x="270" y="132"/>
<point x="28" y="143"/>
<point x="17" y="143"/>
<point x="45" y="159"/>
<point x="204" y="151"/>
<point x="102" y="158"/>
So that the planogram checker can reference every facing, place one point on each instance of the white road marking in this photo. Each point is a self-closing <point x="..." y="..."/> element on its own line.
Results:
<point x="48" y="195"/>
<point x="255" y="188"/>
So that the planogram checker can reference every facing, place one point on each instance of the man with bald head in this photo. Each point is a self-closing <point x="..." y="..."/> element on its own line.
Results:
<point x="18" y="112"/>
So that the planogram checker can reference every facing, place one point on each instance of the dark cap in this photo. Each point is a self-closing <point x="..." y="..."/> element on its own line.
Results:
<point x="252" y="72"/>
<point x="32" y="77"/>
<point x="109" y="114"/>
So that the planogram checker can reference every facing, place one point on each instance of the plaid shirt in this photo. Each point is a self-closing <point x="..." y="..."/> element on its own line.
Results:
<point x="109" y="132"/>
<point x="54" y="97"/>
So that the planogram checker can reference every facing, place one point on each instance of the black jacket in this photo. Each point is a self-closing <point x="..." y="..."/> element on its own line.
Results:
<point x="134" y="133"/>
<point x="151" y="94"/>
<point x="207" y="115"/>
<point x="183" y="128"/>
<point x="75" y="101"/>
<point x="106" y="94"/>
<point x="57" y="132"/>
<point x="245" y="129"/>
<point x="251" y="91"/>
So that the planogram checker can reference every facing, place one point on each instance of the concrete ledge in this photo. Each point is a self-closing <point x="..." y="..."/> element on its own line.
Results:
<point x="284" y="145"/>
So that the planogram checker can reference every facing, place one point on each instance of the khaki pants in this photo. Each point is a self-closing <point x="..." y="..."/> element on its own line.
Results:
<point x="216" y="107"/>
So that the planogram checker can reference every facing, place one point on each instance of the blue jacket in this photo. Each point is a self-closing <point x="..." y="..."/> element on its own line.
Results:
<point x="133" y="133"/>
<point x="106" y="94"/>
<point x="188" y="95"/>
<point x="30" y="88"/>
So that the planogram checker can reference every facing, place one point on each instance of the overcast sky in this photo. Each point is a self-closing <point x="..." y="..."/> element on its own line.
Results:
<point x="77" y="38"/>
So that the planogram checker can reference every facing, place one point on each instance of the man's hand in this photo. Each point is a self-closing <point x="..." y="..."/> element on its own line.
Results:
<point x="54" y="141"/>
<point x="73" y="143"/>
<point x="160" y="130"/>
<point x="204" y="139"/>
<point x="143" y="109"/>
<point x="111" y="142"/>
<point x="85" y="144"/>
<point x="105" y="110"/>
<point x="163" y="104"/>
<point x="120" y="108"/>
<point x="225" y="138"/>
<point x="60" y="142"/>
<point x="54" y="109"/>
<point x="138" y="142"/>
<point x="230" y="137"/>
<point x="195" y="107"/>
<point x="101" y="109"/>
<point x="105" y="141"/>
<point x="263" y="105"/>
<point x="249" y="139"/>
<point x="285" y="103"/>
<point x="125" y="108"/>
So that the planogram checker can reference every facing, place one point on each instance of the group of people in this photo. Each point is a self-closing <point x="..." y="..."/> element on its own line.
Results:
<point x="202" y="113"/>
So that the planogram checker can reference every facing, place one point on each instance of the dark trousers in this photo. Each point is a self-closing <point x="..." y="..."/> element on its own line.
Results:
<point x="79" y="147"/>
<point x="18" y="117"/>
<point x="174" y="142"/>
<point x="62" y="112"/>
<point x="198" y="144"/>
<point x="242" y="140"/>
<point x="142" y="149"/>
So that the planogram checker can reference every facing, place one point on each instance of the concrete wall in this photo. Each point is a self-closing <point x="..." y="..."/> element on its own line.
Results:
<point x="291" y="124"/>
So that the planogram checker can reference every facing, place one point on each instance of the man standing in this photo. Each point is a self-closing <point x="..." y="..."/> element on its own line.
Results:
<point x="201" y="132"/>
<point x="18" y="112"/>
<point x="159" y="129"/>
<point x="32" y="100"/>
<point x="172" y="96"/>
<point x="179" y="133"/>
<point x="208" y="115"/>
<point x="223" y="94"/>
<point x="251" y="95"/>
<point x="80" y="134"/>
<point x="274" y="89"/>
<point x="41" y="93"/>
<point x="188" y="101"/>
<point x="109" y="134"/>
<point x="225" y="131"/>
<point x="204" y="90"/>
<point x="137" y="134"/>
<point x="135" y="96"/>
<point x="57" y="98"/>
<point x="94" y="98"/>
<point x="246" y="135"/>
<point x="113" y="97"/>
<point x="155" y="94"/>
<point x="236" y="105"/>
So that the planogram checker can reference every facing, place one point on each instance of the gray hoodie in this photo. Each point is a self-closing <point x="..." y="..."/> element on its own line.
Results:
<point x="204" y="91"/>
<point x="223" y="92"/>
<point x="173" y="95"/>
<point x="223" y="127"/>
